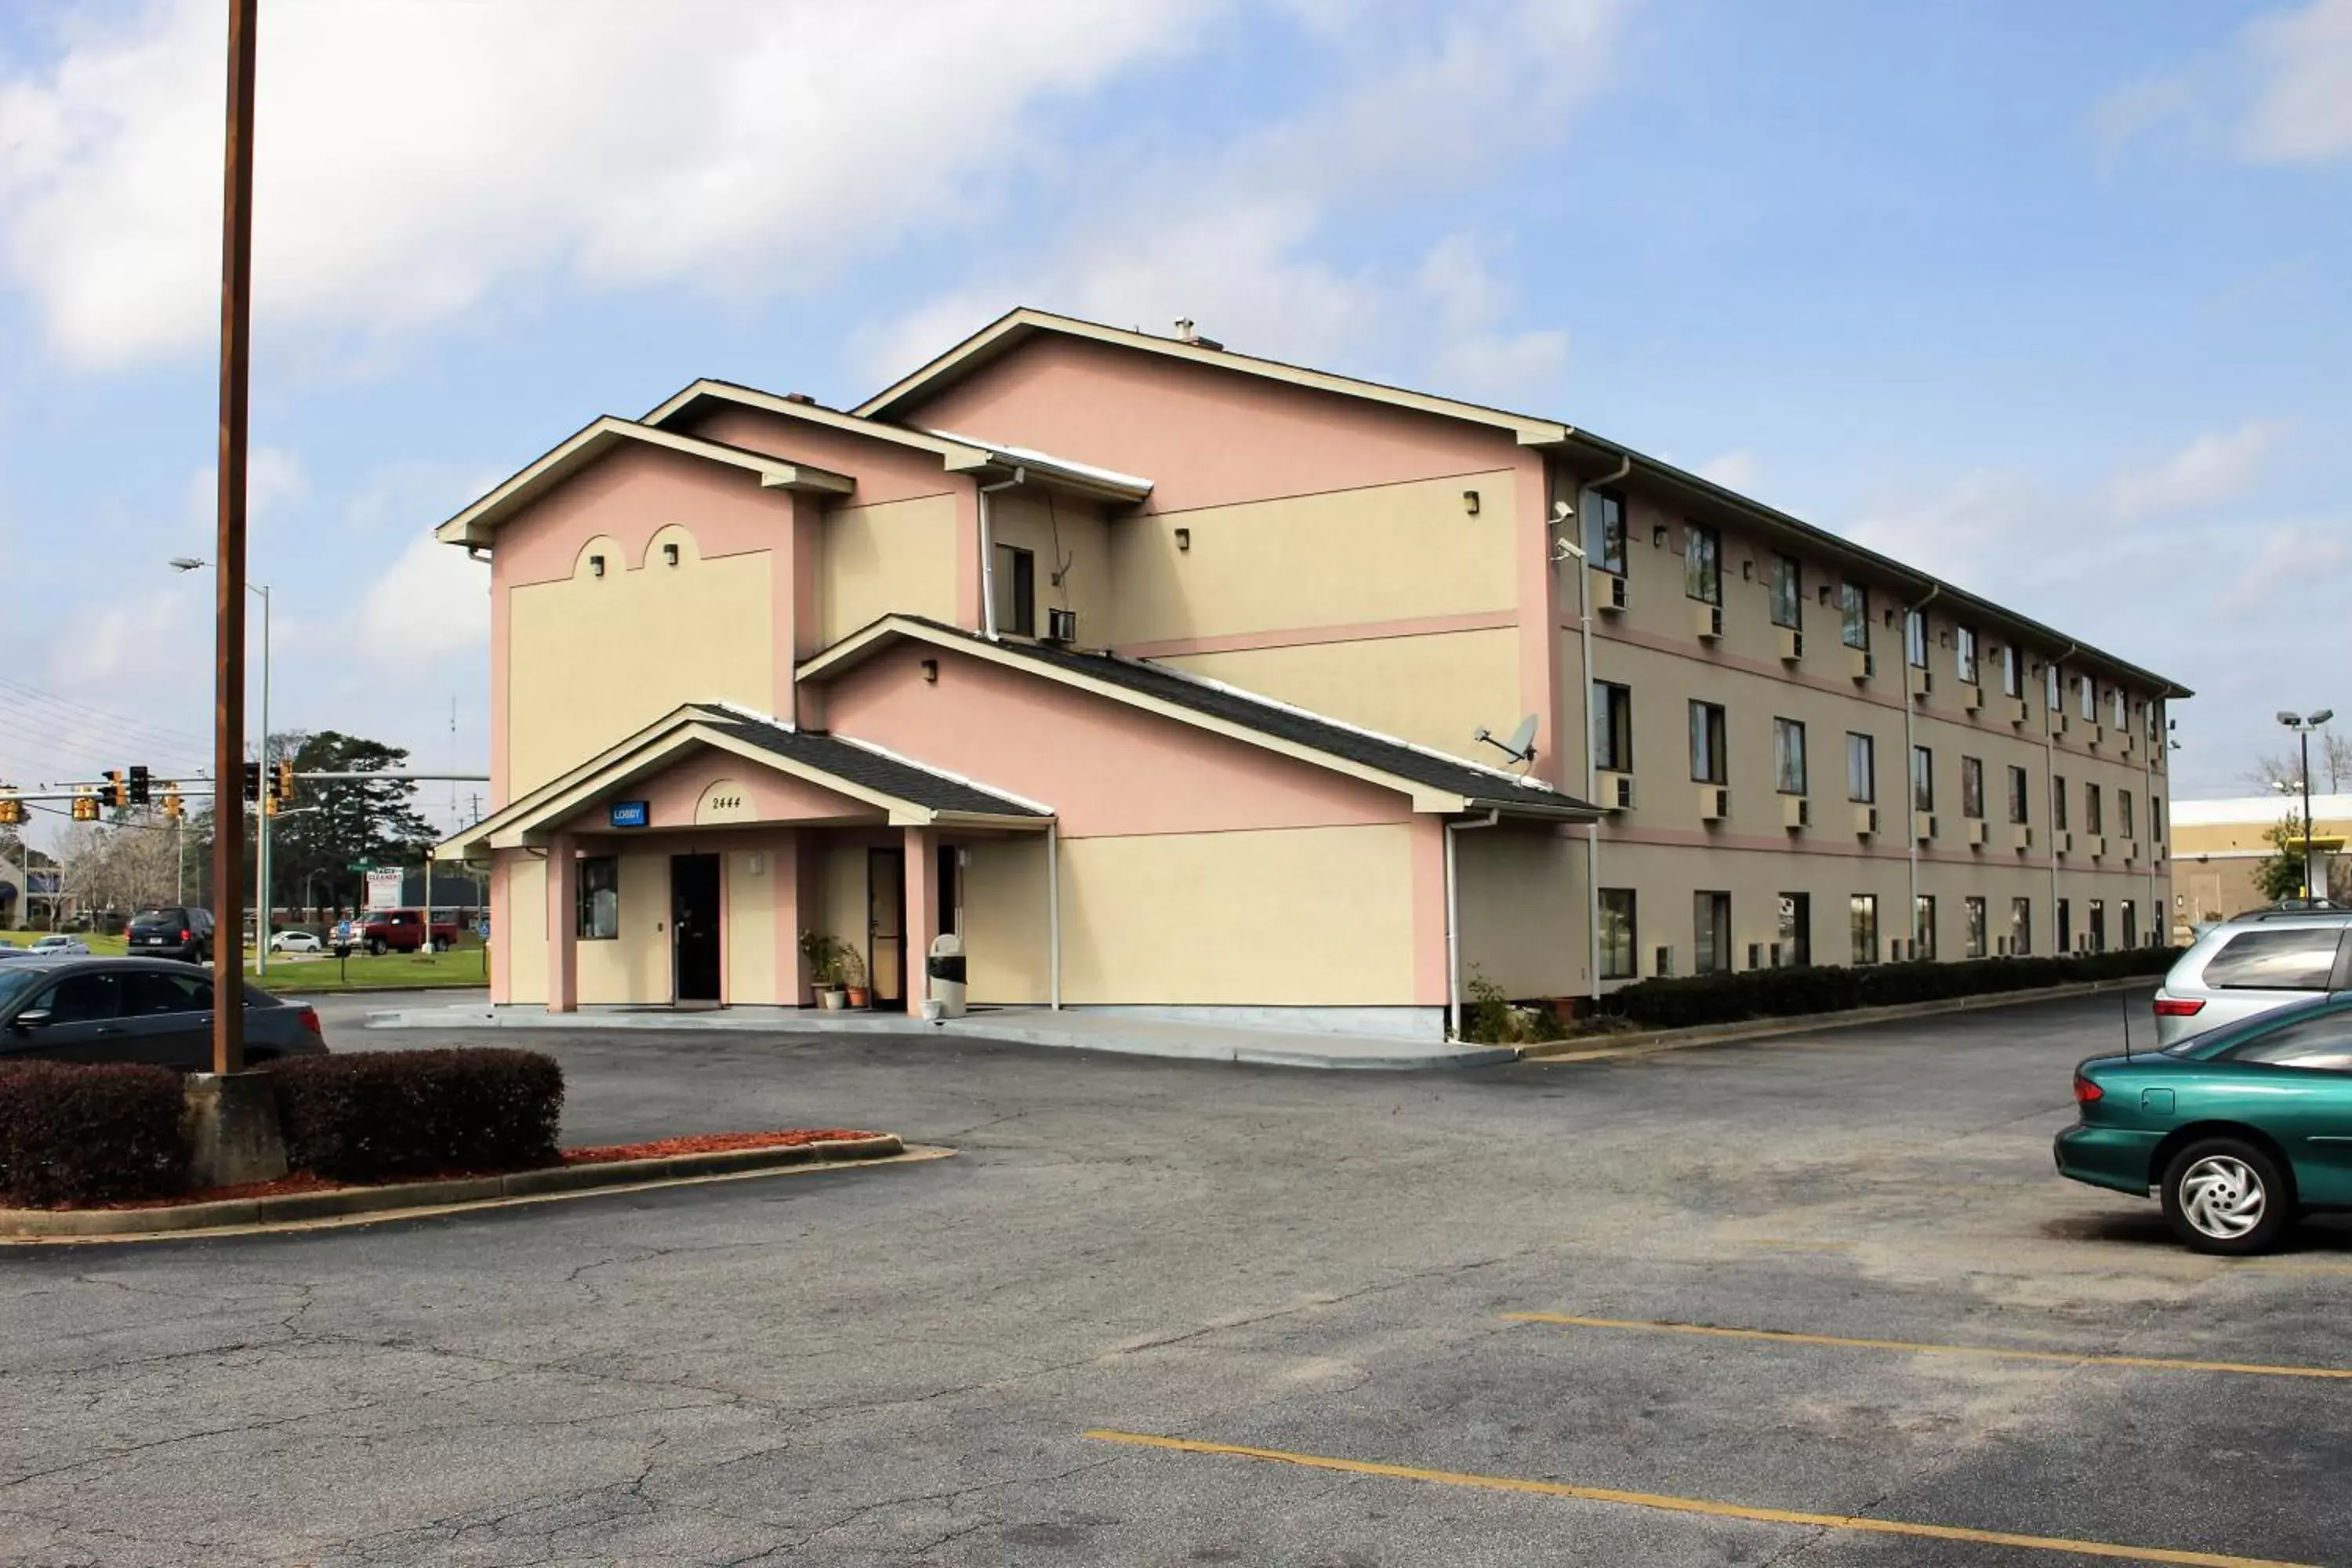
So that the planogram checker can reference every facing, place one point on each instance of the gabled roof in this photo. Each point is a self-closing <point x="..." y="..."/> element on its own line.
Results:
<point x="1435" y="781"/>
<point x="956" y="454"/>
<point x="478" y="524"/>
<point x="905" y="791"/>
<point x="1012" y="330"/>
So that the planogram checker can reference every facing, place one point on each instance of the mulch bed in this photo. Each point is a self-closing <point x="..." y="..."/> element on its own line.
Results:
<point x="592" y="1155"/>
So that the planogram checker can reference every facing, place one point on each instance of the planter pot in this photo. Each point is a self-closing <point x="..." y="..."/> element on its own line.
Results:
<point x="833" y="1000"/>
<point x="858" y="996"/>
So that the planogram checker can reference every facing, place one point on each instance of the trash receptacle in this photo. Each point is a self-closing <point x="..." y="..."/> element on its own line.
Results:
<point x="945" y="970"/>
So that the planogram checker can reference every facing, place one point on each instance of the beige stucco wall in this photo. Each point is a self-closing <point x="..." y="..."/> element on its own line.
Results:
<point x="899" y="556"/>
<point x="1069" y="536"/>
<point x="635" y="965"/>
<point x="1005" y="927"/>
<point x="1433" y="690"/>
<point x="749" y="923"/>
<point x="521" y="945"/>
<point x="1521" y="900"/>
<point x="593" y="660"/>
<point x="1383" y="553"/>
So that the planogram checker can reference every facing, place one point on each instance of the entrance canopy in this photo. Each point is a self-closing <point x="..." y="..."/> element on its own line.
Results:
<point x="796" y="778"/>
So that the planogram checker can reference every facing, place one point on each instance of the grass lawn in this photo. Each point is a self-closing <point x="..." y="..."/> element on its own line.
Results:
<point x="98" y="945"/>
<point x="460" y="966"/>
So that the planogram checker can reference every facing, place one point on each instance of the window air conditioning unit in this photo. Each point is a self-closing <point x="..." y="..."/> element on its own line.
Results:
<point x="2098" y="735"/>
<point x="1608" y="592"/>
<point x="1923" y="826"/>
<point x="2096" y="847"/>
<point x="1615" y="790"/>
<point x="1796" y="811"/>
<point x="1923" y="681"/>
<point x="2062" y="725"/>
<point x="1713" y="802"/>
<point x="1708" y="621"/>
<point x="2021" y="836"/>
<point x="2017" y="714"/>
<point x="1972" y="698"/>
<point x="1977" y="831"/>
<point x="2123" y="742"/>
<point x="2062" y="843"/>
<point x="1865" y="821"/>
<point x="1859" y="663"/>
<point x="1062" y="626"/>
<point x="1793" y="645"/>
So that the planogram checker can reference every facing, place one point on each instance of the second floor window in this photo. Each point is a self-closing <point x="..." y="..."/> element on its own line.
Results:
<point x="2017" y="796"/>
<point x="1613" y="727"/>
<point x="1604" y="540"/>
<point x="1860" y="768"/>
<point x="1854" y="614"/>
<point x="2013" y="671"/>
<point x="1788" y="756"/>
<point x="1788" y="593"/>
<point x="2123" y="816"/>
<point x="1923" y="779"/>
<point x="1703" y="563"/>
<point x="2118" y="710"/>
<point x="1706" y="745"/>
<point x="1971" y="787"/>
<point x="1016" y="590"/>
<point x="1915" y="638"/>
<point x="2088" y="690"/>
<point x="2058" y="803"/>
<point x="1964" y="654"/>
<point x="2091" y="815"/>
<point x="2051" y="682"/>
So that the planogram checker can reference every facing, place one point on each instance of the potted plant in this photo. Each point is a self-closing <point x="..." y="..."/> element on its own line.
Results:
<point x="824" y="954"/>
<point x="851" y="967"/>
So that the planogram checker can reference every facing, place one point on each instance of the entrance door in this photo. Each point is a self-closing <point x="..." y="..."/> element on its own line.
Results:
<point x="885" y="927"/>
<point x="694" y="927"/>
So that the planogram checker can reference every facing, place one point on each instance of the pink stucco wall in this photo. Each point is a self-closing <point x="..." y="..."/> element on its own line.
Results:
<point x="1104" y="767"/>
<point x="885" y="470"/>
<point x="671" y="793"/>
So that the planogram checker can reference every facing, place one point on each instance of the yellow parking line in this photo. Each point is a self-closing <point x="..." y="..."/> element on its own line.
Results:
<point x="1694" y="1505"/>
<point x="2069" y="1358"/>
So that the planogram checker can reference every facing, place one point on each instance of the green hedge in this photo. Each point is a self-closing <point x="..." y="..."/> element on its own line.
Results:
<point x="373" y="1115"/>
<point x="1686" y="1000"/>
<point x="86" y="1134"/>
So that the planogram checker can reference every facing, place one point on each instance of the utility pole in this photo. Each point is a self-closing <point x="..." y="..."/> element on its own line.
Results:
<point x="2302" y="724"/>
<point x="228" y="658"/>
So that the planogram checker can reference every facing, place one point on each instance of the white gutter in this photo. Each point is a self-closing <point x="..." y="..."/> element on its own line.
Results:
<point x="1454" y="925"/>
<point x="1054" y="912"/>
<point x="1911" y="751"/>
<point x="2050" y="782"/>
<point x="1592" y="829"/>
<point x="988" y="553"/>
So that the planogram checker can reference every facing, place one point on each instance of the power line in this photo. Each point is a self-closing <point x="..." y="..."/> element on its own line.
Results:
<point x="162" y="733"/>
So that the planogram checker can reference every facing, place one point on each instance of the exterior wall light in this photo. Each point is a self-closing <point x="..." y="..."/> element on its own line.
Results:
<point x="1183" y="539"/>
<point x="1470" y="502"/>
<point x="595" y="565"/>
<point x="669" y="554"/>
<point x="930" y="672"/>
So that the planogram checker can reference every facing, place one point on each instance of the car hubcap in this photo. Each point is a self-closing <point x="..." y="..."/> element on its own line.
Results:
<point x="2223" y="1196"/>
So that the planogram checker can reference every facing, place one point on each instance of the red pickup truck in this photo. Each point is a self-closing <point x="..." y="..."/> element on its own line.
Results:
<point x="401" y="930"/>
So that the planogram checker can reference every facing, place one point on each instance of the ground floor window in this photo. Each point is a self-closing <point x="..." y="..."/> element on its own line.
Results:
<point x="2021" y="927"/>
<point x="1710" y="932"/>
<point x="2065" y="926"/>
<point x="1862" y="913"/>
<point x="600" y="897"/>
<point x="1923" y="926"/>
<point x="2098" y="925"/>
<point x="1976" y="911"/>
<point x="1795" y="947"/>
<point x="1620" y="938"/>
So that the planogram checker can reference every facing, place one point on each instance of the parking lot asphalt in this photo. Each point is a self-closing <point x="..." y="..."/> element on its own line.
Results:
<point x="1346" y="1293"/>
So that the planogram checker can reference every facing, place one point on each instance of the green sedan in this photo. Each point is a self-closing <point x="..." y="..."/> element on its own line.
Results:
<point x="2237" y="1130"/>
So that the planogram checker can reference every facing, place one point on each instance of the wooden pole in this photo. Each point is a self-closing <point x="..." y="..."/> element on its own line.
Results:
<point x="228" y="673"/>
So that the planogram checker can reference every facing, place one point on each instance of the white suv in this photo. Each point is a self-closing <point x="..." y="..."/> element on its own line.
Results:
<point x="2251" y="964"/>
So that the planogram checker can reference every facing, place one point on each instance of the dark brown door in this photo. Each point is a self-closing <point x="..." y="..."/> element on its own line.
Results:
<point x="694" y="926"/>
<point x="885" y="927"/>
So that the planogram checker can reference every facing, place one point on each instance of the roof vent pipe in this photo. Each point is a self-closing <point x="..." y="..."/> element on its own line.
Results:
<point x="1186" y="333"/>
<point x="799" y="397"/>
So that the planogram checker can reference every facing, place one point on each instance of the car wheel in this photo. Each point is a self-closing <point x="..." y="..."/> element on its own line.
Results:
<point x="375" y="947"/>
<point x="439" y="945"/>
<point x="2225" y="1195"/>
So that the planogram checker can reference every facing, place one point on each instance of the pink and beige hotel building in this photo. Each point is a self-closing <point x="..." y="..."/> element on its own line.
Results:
<point x="1173" y="679"/>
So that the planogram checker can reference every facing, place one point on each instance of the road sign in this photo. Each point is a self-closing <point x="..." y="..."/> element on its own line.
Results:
<point x="383" y="890"/>
<point x="360" y="866"/>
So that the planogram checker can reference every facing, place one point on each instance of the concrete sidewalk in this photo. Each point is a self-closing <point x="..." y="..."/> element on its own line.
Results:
<point x="1069" y="1029"/>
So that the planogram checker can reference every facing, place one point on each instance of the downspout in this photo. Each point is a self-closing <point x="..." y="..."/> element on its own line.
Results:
<point x="988" y="555"/>
<point x="2050" y="784"/>
<point x="1592" y="828"/>
<point x="1454" y="924"/>
<point x="1911" y="751"/>
<point x="1054" y="912"/>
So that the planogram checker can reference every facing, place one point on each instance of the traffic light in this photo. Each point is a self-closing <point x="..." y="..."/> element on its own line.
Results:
<point x="140" y="792"/>
<point x="85" y="808"/>
<point x="252" y="781"/>
<point x="117" y="794"/>
<point x="281" y="785"/>
<point x="173" y="808"/>
<point x="12" y="811"/>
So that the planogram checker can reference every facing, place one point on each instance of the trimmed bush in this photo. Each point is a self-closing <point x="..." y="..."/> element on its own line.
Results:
<point x="1683" y="1002"/>
<point x="77" y="1133"/>
<point x="377" y="1115"/>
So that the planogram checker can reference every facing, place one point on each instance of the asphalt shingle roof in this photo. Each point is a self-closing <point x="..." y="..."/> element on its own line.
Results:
<point x="877" y="770"/>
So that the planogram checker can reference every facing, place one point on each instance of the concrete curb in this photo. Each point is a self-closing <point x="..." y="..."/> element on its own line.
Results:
<point x="1652" y="1041"/>
<point x="457" y="1191"/>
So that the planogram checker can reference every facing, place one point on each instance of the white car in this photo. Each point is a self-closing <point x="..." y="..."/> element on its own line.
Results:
<point x="294" y="942"/>
<point x="60" y="945"/>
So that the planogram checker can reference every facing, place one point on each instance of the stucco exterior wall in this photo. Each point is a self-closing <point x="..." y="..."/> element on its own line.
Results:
<point x="634" y="966"/>
<point x="1521" y="901"/>
<point x="519" y="939"/>
<point x="900" y="556"/>
<point x="750" y="879"/>
<point x="1434" y="690"/>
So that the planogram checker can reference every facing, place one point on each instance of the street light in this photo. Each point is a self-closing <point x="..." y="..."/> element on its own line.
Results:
<point x="2302" y="724"/>
<point x="261" y="813"/>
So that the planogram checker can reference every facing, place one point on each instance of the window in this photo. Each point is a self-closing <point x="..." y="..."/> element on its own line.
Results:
<point x="1971" y="787"/>
<point x="600" y="897"/>
<point x="2065" y="926"/>
<point x="1964" y="654"/>
<point x="2156" y="720"/>
<point x="1915" y="638"/>
<point x="2130" y="924"/>
<point x="2058" y="803"/>
<point x="1862" y="914"/>
<point x="2050" y="688"/>
<point x="1706" y="746"/>
<point x="2017" y="795"/>
<point x="2098" y="925"/>
<point x="1016" y="590"/>
<point x="2156" y="817"/>
<point x="2089" y="692"/>
<point x="1604" y="538"/>
<point x="1788" y="756"/>
<point x="1710" y="933"/>
<point x="2013" y="671"/>
<point x="1613" y="727"/>
<point x="1923" y="926"/>
<point x="2118" y="707"/>
<point x="1796" y="932"/>
<point x="2274" y="961"/>
<point x="2021" y="927"/>
<point x="1854" y="614"/>
<point x="86" y="998"/>
<point x="2316" y="1045"/>
<point x="1620" y="936"/>
<point x="154" y="995"/>
<point x="2123" y="816"/>
<point x="2091" y="814"/>
<point x="1976" y="913"/>
<point x="1923" y="779"/>
<point x="1788" y="593"/>
<point x="1703" y="562"/>
<point x="1860" y="768"/>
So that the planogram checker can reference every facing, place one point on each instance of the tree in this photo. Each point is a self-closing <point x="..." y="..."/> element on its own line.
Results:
<point x="2333" y="765"/>
<point x="2281" y="876"/>
<point x="331" y="825"/>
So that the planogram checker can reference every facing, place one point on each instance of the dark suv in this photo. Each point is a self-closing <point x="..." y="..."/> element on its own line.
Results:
<point x="170" y="932"/>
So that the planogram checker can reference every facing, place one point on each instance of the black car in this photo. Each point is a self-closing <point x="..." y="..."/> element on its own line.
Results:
<point x="136" y="1010"/>
<point x="171" y="932"/>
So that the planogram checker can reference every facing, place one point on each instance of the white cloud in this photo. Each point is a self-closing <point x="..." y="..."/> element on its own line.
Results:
<point x="433" y="598"/>
<point x="414" y="158"/>
<point x="273" y="478"/>
<point x="2302" y="110"/>
<point x="2294" y="564"/>
<point x="1737" y="471"/>
<point x="2214" y="468"/>
<point x="1962" y="532"/>
<point x="1475" y="358"/>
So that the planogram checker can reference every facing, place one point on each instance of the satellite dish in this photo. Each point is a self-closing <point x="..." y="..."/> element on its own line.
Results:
<point x="1519" y="748"/>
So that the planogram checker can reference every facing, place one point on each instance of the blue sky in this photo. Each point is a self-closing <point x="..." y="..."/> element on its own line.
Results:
<point x="2047" y="299"/>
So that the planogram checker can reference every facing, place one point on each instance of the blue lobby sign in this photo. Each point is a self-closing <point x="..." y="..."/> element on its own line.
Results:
<point x="630" y="814"/>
